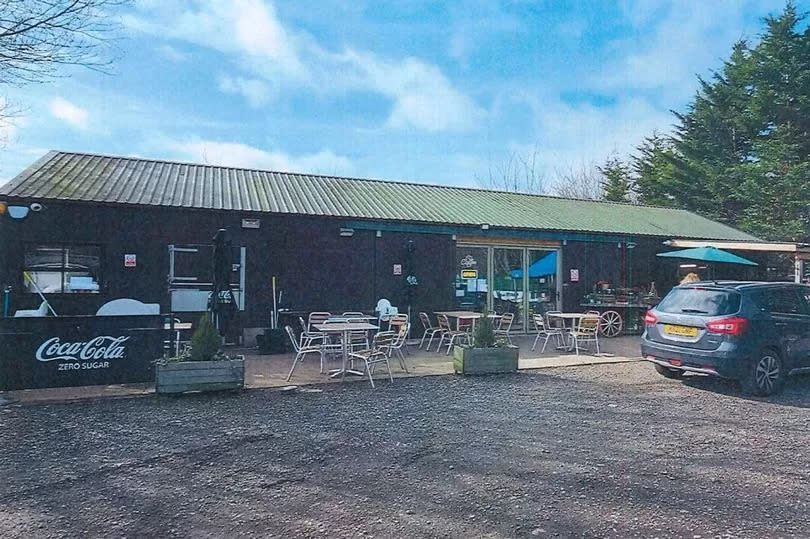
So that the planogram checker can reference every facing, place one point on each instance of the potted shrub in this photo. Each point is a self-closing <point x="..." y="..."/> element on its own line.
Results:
<point x="487" y="355"/>
<point x="204" y="367"/>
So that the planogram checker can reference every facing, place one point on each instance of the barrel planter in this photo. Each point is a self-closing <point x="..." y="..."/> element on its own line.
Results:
<point x="182" y="376"/>
<point x="468" y="360"/>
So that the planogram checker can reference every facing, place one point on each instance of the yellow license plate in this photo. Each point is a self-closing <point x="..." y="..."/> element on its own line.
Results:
<point x="680" y="331"/>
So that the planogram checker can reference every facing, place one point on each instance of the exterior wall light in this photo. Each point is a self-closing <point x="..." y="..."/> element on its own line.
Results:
<point x="485" y="226"/>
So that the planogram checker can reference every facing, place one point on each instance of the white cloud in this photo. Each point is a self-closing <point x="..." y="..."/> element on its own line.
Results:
<point x="570" y="136"/>
<point x="671" y="44"/>
<point x="172" y="53"/>
<point x="236" y="154"/>
<point x="255" y="91"/>
<point x="249" y="28"/>
<point x="66" y="111"/>
<point x="250" y="32"/>
<point x="423" y="97"/>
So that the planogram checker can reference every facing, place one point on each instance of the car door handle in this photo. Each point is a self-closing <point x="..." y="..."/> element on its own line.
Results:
<point x="780" y="324"/>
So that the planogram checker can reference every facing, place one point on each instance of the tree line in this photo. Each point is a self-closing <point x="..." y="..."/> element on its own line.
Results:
<point x="740" y="152"/>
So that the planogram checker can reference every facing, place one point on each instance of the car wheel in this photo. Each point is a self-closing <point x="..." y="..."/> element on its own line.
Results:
<point x="666" y="372"/>
<point x="765" y="375"/>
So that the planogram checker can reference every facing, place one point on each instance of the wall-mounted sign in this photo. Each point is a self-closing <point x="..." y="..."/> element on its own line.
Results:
<point x="468" y="262"/>
<point x="469" y="274"/>
<point x="251" y="223"/>
<point x="130" y="261"/>
<point x="574" y="275"/>
<point x="397" y="269"/>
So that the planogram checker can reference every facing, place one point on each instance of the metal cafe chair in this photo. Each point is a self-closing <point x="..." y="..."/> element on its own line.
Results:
<point x="378" y="353"/>
<point x="356" y="338"/>
<point x="301" y="351"/>
<point x="586" y="331"/>
<point x="317" y="318"/>
<point x="307" y="337"/>
<point x="544" y="331"/>
<point x="505" y="325"/>
<point x="397" y="321"/>
<point x="430" y="330"/>
<point x="399" y="343"/>
<point x="455" y="335"/>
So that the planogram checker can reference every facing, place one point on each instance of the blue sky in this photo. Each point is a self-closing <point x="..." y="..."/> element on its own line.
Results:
<point x="439" y="92"/>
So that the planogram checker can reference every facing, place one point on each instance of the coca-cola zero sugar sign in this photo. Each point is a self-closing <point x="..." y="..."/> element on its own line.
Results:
<point x="66" y="351"/>
<point x="95" y="353"/>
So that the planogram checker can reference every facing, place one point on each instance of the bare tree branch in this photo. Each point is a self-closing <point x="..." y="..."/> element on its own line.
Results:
<point x="37" y="37"/>
<point x="583" y="181"/>
<point x="518" y="173"/>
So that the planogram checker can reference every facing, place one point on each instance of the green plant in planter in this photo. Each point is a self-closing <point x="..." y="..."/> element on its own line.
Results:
<point x="484" y="334"/>
<point x="487" y="355"/>
<point x="205" y="341"/>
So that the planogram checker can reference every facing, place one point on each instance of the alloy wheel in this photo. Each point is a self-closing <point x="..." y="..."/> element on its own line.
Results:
<point x="767" y="373"/>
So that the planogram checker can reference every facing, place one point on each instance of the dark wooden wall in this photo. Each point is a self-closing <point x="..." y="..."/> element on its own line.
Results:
<point x="316" y="268"/>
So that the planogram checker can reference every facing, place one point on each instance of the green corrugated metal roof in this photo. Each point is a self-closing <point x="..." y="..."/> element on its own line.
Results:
<point x="127" y="180"/>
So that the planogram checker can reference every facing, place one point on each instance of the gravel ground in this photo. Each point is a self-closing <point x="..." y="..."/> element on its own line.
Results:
<point x="611" y="450"/>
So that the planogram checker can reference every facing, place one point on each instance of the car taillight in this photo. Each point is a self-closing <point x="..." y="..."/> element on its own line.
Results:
<point x="650" y="319"/>
<point x="728" y="326"/>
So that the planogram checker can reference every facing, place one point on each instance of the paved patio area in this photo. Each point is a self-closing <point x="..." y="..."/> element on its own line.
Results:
<point x="271" y="370"/>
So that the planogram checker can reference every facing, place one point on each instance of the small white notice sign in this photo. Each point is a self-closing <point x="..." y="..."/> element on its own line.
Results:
<point x="130" y="261"/>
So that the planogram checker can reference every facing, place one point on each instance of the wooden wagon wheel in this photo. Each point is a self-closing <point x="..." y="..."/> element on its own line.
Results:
<point x="610" y="323"/>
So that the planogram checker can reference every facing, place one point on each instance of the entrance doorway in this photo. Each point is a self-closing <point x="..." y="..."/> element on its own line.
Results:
<point x="507" y="279"/>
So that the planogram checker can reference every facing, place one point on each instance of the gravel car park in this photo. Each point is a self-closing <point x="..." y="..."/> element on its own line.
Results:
<point x="608" y="450"/>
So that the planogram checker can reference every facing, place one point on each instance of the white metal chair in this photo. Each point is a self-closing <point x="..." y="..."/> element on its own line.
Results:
<point x="430" y="330"/>
<point x="462" y="333"/>
<point x="400" y="342"/>
<point x="544" y="331"/>
<point x="356" y="338"/>
<point x="586" y="331"/>
<point x="504" y="326"/>
<point x="378" y="353"/>
<point x="301" y="351"/>
<point x="307" y="337"/>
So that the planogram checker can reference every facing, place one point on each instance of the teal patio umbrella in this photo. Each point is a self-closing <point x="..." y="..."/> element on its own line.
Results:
<point x="709" y="254"/>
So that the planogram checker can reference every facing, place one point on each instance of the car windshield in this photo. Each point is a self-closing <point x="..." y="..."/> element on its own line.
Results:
<point x="697" y="300"/>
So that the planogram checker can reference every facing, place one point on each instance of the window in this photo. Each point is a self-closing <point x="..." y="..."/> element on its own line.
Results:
<point x="62" y="269"/>
<point x="780" y="300"/>
<point x="699" y="300"/>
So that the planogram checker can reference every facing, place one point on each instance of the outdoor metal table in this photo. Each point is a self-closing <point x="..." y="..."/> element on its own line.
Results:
<point x="466" y="315"/>
<point x="341" y="318"/>
<point x="574" y="318"/>
<point x="344" y="328"/>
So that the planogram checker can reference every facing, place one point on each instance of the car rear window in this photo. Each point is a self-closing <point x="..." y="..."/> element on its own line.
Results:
<point x="701" y="301"/>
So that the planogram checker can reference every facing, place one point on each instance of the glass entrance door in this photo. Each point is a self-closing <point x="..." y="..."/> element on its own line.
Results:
<point x="471" y="285"/>
<point x="508" y="284"/>
<point x="518" y="280"/>
<point x="542" y="282"/>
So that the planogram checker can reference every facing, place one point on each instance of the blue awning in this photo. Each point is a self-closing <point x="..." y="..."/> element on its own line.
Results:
<point x="544" y="266"/>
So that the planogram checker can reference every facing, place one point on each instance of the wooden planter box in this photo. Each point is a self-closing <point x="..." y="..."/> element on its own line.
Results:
<point x="181" y="376"/>
<point x="468" y="360"/>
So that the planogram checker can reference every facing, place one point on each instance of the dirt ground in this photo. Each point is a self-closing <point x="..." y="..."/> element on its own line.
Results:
<point x="600" y="451"/>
